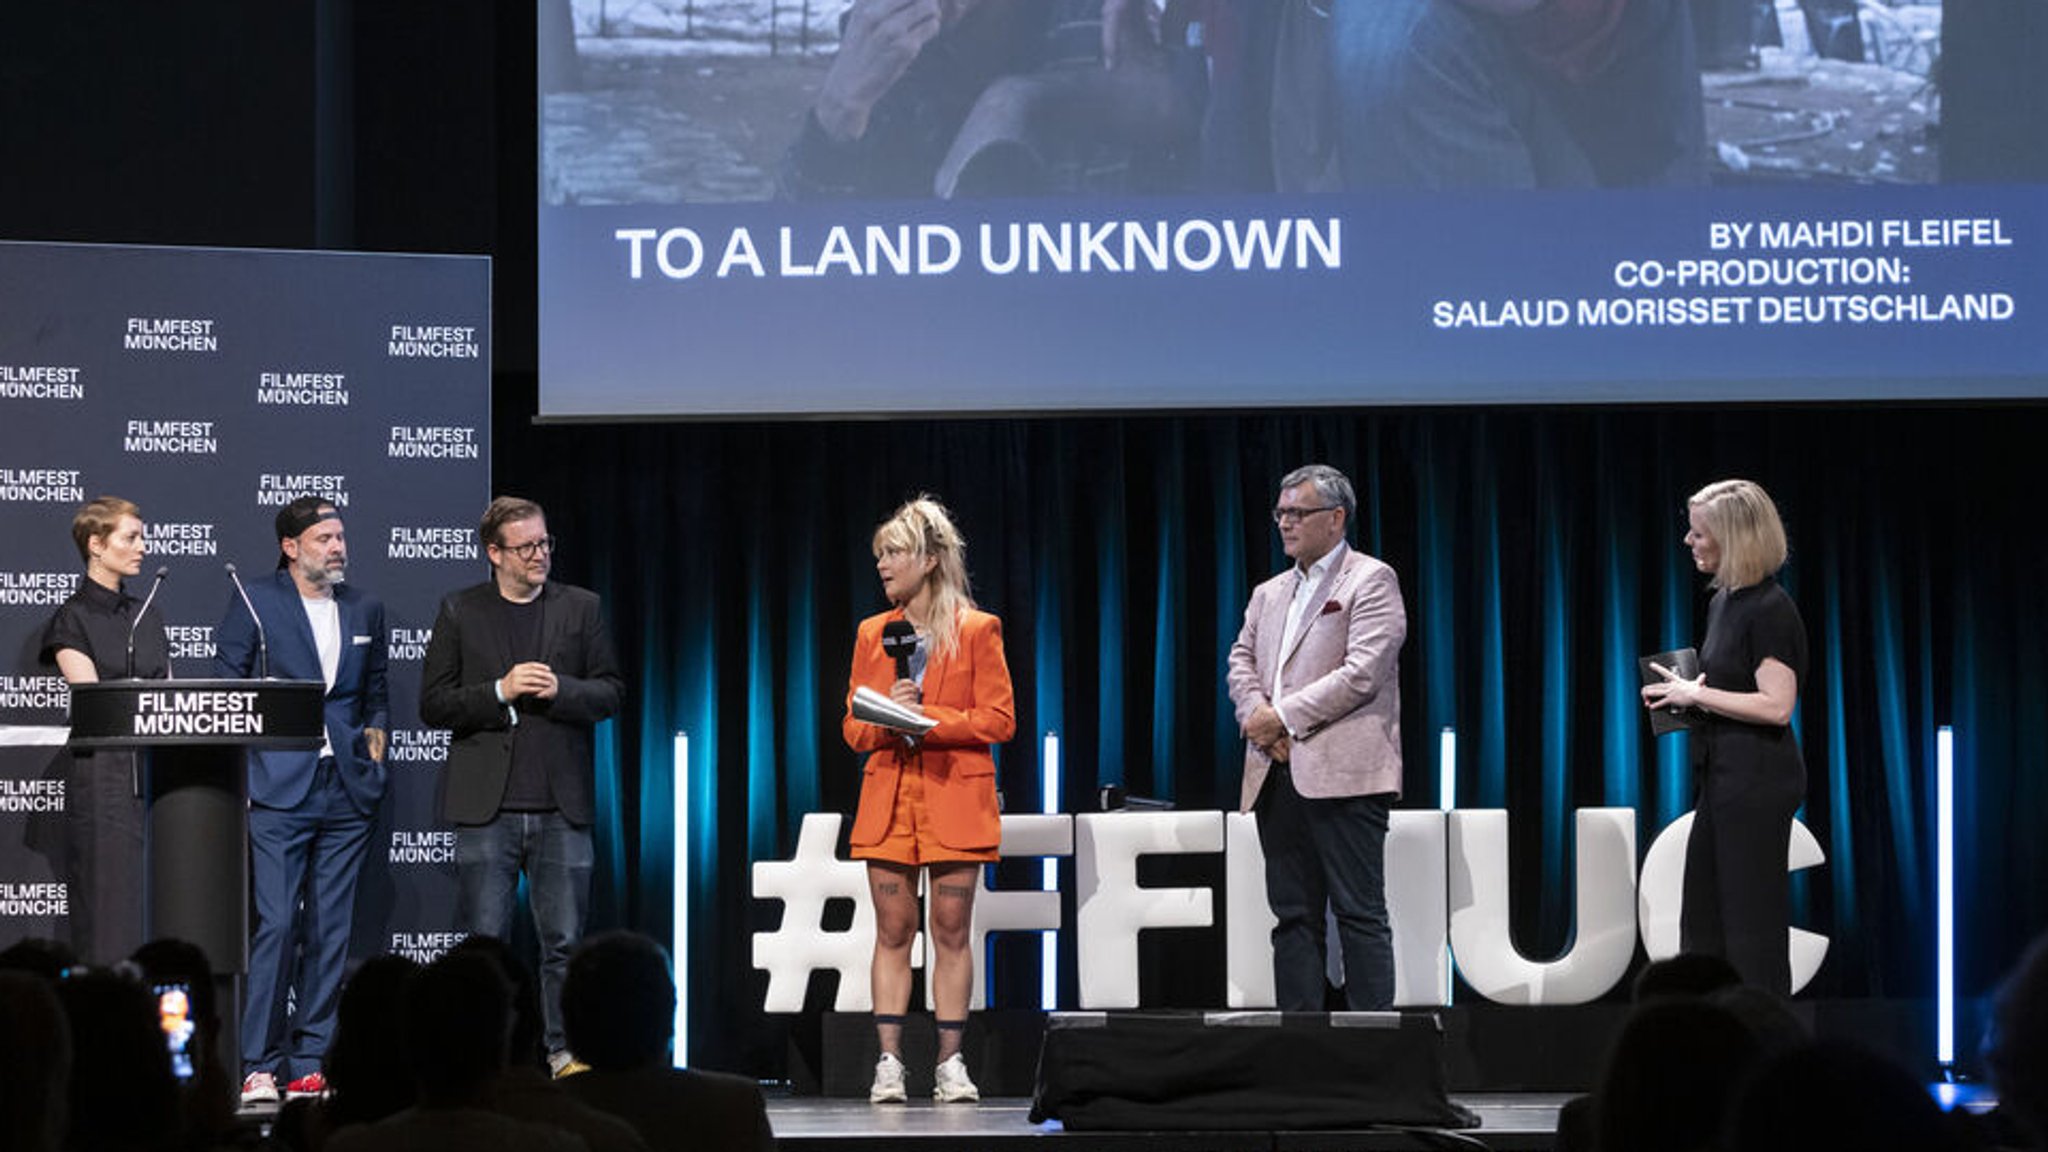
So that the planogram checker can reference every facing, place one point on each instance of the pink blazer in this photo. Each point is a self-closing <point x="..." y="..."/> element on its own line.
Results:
<point x="1340" y="684"/>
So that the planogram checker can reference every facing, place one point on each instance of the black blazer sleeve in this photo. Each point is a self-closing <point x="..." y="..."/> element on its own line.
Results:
<point x="588" y="685"/>
<point x="457" y="688"/>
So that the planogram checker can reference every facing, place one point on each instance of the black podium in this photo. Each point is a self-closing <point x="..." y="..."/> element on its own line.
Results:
<point x="192" y="734"/>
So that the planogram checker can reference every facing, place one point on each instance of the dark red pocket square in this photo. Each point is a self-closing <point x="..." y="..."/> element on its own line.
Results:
<point x="1330" y="606"/>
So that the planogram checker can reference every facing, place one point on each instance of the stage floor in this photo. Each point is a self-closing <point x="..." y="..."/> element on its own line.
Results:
<point x="1508" y="1120"/>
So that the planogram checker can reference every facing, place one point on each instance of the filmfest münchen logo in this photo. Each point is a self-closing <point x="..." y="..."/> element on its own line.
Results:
<point x="190" y="641"/>
<point x="303" y="389"/>
<point x="170" y="438"/>
<point x="433" y="442"/>
<point x="52" y="898"/>
<point x="431" y="542"/>
<point x="22" y="797"/>
<point x="41" y="486"/>
<point x="34" y="693"/>
<point x="412" y="847"/>
<point x="424" y="947"/>
<point x="434" y="342"/>
<point x="408" y="644"/>
<point x="277" y="489"/>
<point x="40" y="382"/>
<point x="169" y="334"/>
<point x="418" y="746"/>
<point x="172" y="538"/>
<point x="36" y="589"/>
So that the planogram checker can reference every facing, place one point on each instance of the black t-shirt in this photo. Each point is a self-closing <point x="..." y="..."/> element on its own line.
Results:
<point x="1744" y="628"/>
<point x="95" y="620"/>
<point x="526" y="789"/>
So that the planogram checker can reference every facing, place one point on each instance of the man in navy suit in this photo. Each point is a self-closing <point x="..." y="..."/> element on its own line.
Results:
<point x="310" y="812"/>
<point x="522" y="669"/>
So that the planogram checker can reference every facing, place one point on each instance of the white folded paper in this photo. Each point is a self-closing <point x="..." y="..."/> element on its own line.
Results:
<point x="871" y="707"/>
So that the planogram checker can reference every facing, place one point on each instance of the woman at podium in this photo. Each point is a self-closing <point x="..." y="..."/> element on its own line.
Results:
<point x="928" y="793"/>
<point x="104" y="633"/>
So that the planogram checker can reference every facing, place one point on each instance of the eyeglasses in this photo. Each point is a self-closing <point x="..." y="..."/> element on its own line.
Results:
<point x="1297" y="515"/>
<point x="531" y="548"/>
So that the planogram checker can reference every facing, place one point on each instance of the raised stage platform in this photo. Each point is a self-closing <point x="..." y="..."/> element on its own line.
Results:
<point x="816" y="1124"/>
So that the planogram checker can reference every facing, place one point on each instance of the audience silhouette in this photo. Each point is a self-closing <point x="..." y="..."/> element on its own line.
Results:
<point x="365" y="1081"/>
<point x="448" y="1057"/>
<point x="1831" y="1094"/>
<point x="457" y="1027"/>
<point x="209" y="1098"/>
<point x="1670" y="1076"/>
<point x="619" y="1008"/>
<point x="525" y="1090"/>
<point x="44" y="957"/>
<point x="35" y="1063"/>
<point x="115" y="1038"/>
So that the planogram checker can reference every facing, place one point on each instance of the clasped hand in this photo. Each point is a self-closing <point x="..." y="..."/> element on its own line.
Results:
<point x="529" y="678"/>
<point x="1266" y="732"/>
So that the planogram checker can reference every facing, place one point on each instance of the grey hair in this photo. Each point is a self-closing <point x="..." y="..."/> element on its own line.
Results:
<point x="1333" y="486"/>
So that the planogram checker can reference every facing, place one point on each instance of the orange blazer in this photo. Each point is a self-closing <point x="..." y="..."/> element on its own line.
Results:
<point x="969" y="695"/>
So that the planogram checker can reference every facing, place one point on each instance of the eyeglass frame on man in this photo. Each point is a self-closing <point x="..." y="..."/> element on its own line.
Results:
<point x="530" y="549"/>
<point x="1297" y="515"/>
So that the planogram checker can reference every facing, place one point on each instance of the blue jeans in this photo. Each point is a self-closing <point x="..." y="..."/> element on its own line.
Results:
<point x="556" y="858"/>
<point x="1326" y="854"/>
<point x="1431" y="94"/>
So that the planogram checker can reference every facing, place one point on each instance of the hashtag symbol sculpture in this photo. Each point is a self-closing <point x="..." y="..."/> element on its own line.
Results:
<point x="800" y="944"/>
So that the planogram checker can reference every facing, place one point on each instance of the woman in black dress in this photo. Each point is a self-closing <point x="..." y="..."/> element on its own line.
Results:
<point x="88" y="641"/>
<point x="1751" y="778"/>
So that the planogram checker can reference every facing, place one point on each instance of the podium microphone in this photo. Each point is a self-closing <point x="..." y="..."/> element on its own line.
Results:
<point x="899" y="640"/>
<point x="262" y="645"/>
<point x="128" y="671"/>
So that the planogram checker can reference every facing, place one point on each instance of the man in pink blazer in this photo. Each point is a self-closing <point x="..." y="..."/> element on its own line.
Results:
<point x="1315" y="678"/>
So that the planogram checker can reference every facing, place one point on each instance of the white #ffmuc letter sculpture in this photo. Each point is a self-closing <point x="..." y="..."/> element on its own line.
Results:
<point x="1605" y="910"/>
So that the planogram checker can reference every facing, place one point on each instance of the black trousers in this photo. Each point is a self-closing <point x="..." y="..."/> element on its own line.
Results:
<point x="1738" y="901"/>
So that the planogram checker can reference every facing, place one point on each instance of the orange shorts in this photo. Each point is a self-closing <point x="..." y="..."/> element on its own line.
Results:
<point x="910" y="839"/>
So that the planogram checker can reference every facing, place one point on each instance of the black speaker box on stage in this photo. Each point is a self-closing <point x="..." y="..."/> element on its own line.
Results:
<point x="1212" y="1071"/>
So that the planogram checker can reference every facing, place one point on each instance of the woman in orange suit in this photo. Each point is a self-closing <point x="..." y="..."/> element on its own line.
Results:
<point x="928" y="801"/>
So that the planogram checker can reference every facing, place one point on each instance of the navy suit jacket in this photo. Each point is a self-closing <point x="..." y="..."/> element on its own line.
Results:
<point x="280" y="778"/>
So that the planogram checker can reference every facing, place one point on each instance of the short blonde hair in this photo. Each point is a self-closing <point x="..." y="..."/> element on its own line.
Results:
<point x="98" y="520"/>
<point x="923" y="527"/>
<point x="1740" y="517"/>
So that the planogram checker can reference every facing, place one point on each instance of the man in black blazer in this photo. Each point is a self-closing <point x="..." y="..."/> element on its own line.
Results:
<point x="522" y="670"/>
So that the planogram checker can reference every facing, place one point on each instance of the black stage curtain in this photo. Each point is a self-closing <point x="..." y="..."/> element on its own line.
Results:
<point x="1539" y="554"/>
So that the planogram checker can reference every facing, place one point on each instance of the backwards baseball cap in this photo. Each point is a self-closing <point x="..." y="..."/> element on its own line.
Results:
<point x="301" y="514"/>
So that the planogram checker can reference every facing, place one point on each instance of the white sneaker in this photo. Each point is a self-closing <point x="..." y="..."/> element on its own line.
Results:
<point x="888" y="1085"/>
<point x="259" y="1088"/>
<point x="950" y="1084"/>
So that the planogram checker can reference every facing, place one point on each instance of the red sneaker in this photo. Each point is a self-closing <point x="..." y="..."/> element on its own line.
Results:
<point x="311" y="1084"/>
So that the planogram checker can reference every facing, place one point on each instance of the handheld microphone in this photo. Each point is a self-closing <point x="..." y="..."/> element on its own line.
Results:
<point x="128" y="671"/>
<point x="899" y="640"/>
<point x="262" y="644"/>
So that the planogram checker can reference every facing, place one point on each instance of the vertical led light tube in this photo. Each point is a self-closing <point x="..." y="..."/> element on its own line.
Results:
<point x="1049" y="877"/>
<point x="679" y="931"/>
<point x="1447" y="769"/>
<point x="1446" y="800"/>
<point x="1945" y="897"/>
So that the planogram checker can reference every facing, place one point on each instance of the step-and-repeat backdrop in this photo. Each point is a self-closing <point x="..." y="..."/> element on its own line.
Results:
<point x="211" y="387"/>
